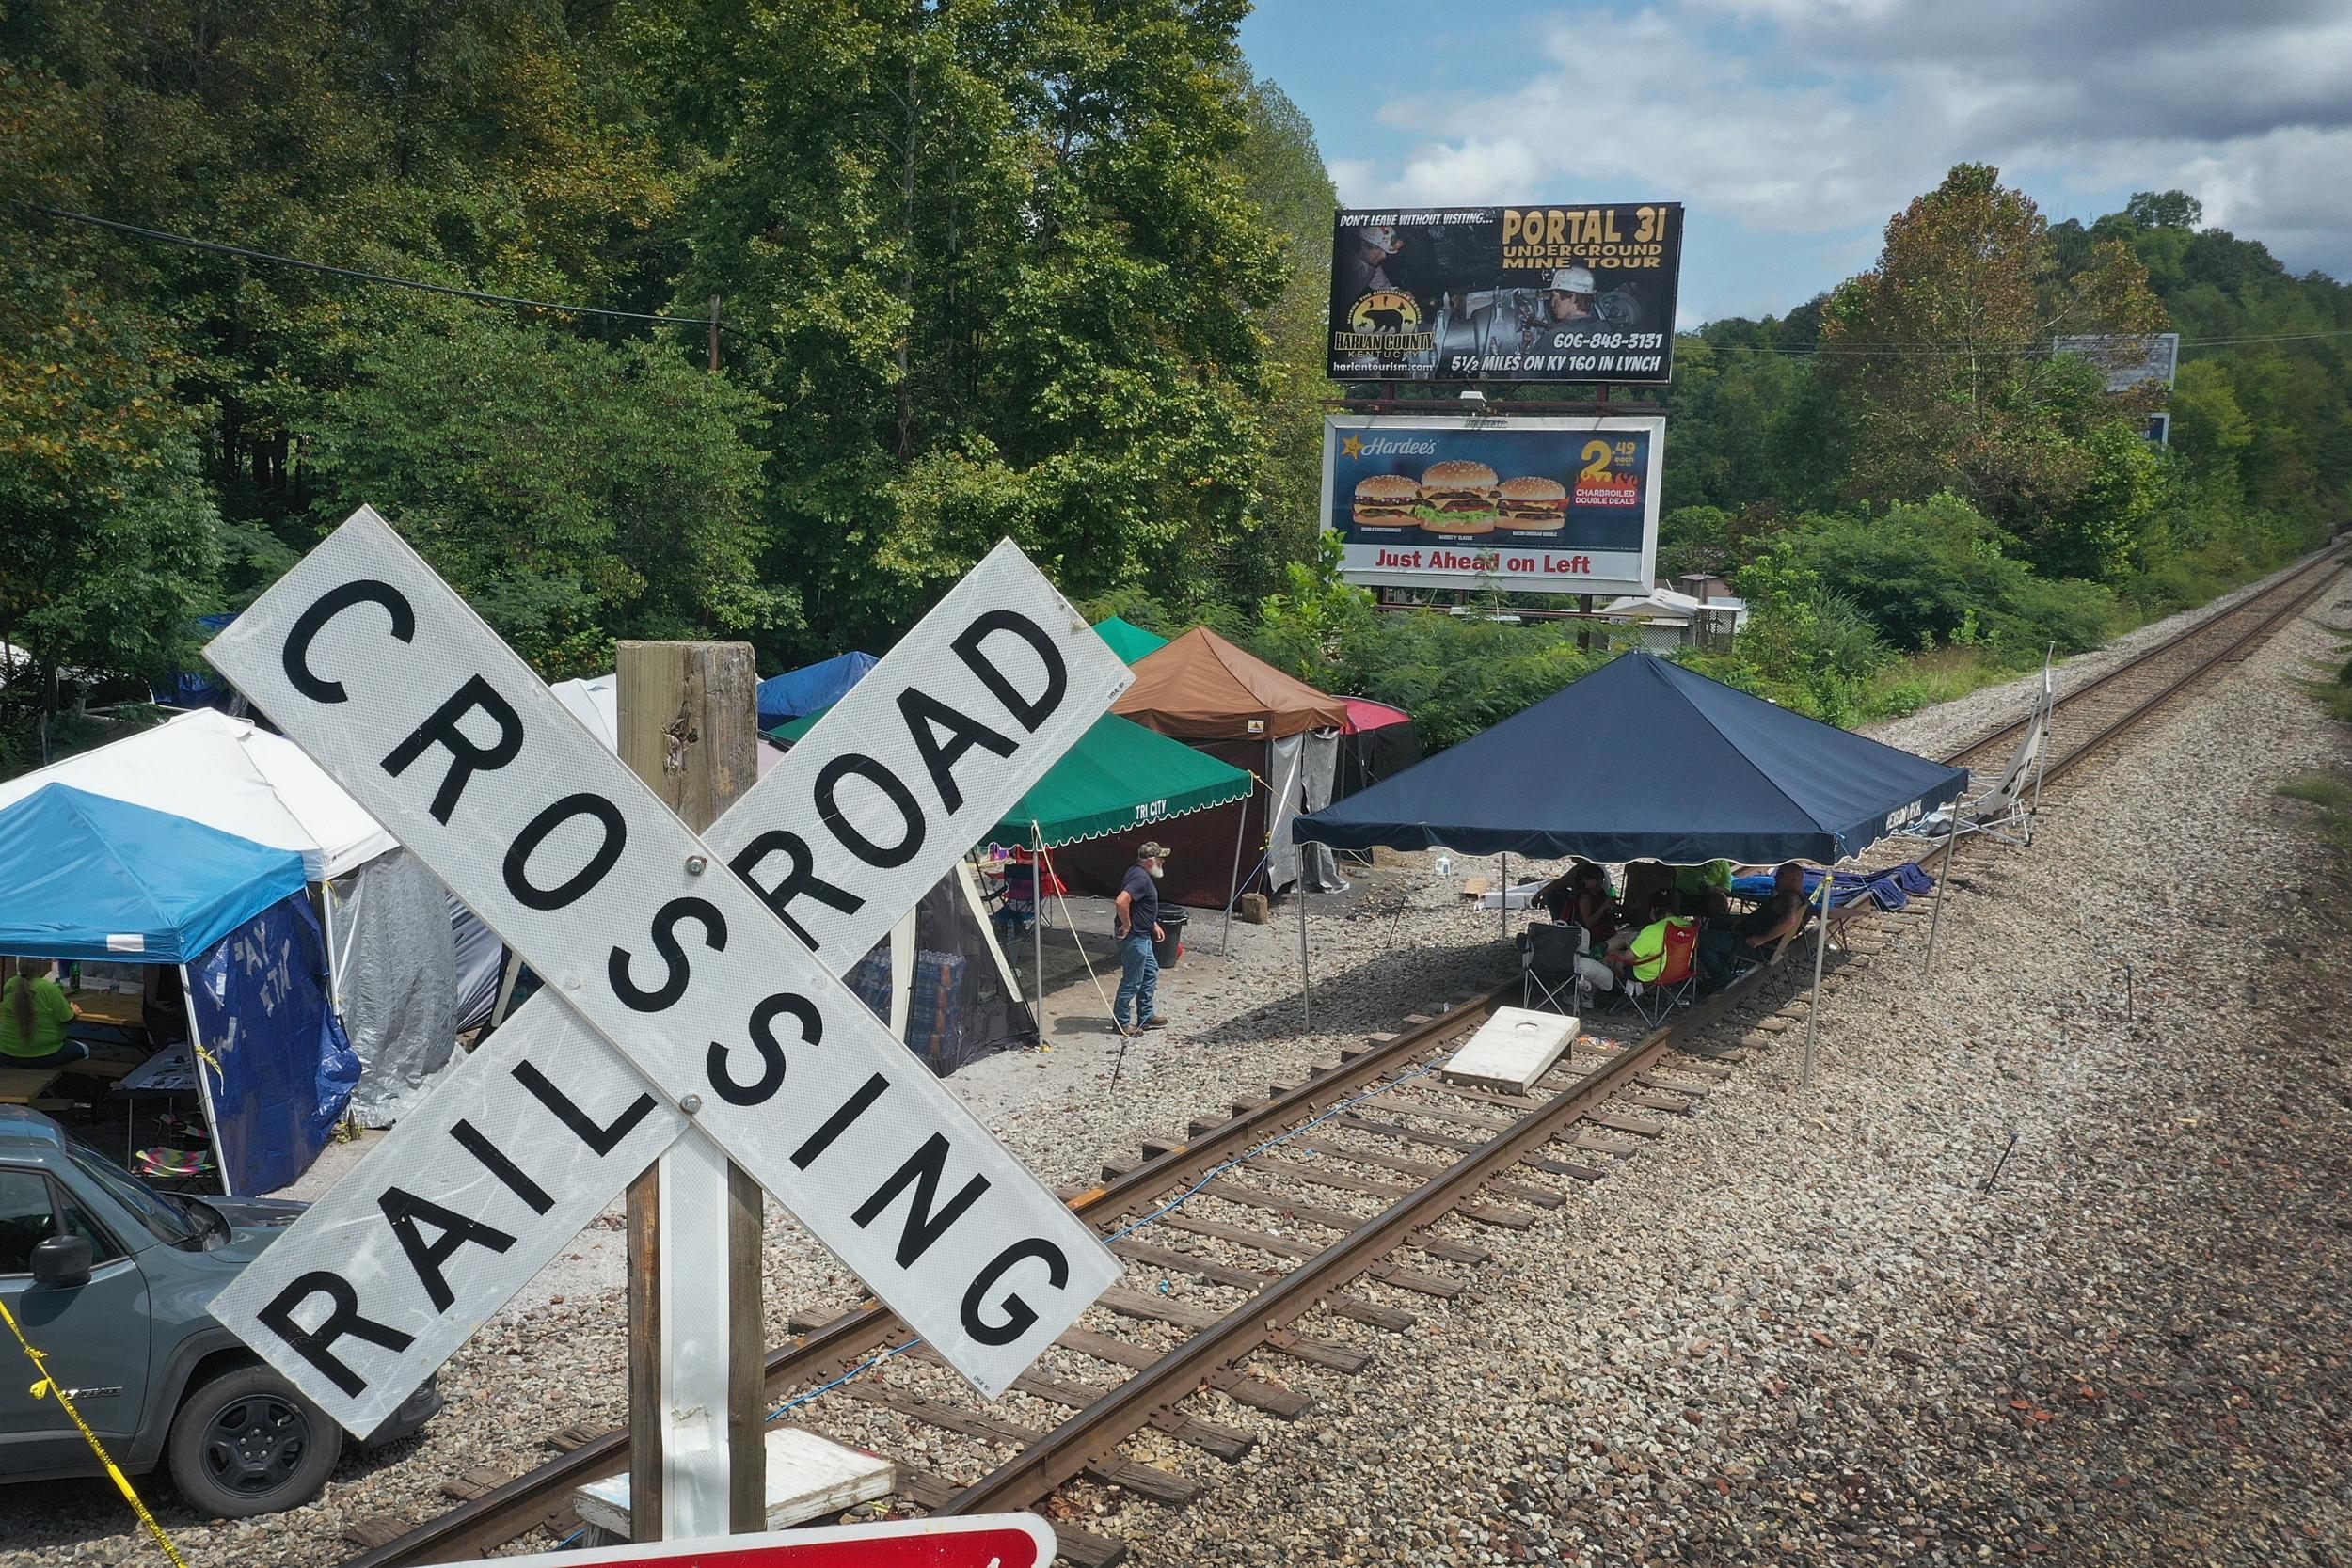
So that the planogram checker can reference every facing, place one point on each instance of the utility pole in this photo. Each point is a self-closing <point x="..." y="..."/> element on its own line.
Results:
<point x="687" y="715"/>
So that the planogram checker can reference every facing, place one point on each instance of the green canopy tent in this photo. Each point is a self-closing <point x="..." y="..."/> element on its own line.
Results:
<point x="1128" y="640"/>
<point x="1119" y="778"/>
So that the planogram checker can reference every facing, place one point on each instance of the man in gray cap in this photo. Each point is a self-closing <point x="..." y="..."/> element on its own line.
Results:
<point x="1135" y="922"/>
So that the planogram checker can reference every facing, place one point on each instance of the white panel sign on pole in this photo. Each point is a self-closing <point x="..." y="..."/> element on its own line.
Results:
<point x="393" y="685"/>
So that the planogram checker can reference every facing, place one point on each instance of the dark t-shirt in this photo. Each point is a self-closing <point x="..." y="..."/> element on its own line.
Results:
<point x="1770" y="913"/>
<point x="1143" y="896"/>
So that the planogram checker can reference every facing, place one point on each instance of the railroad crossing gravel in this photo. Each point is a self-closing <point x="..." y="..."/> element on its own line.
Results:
<point x="1800" y="1330"/>
<point x="1644" y="1376"/>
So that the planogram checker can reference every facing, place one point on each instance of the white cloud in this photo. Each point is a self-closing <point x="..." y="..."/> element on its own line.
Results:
<point x="1820" y="117"/>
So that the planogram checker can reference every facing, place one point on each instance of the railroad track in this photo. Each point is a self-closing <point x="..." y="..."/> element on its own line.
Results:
<point x="1347" y="1195"/>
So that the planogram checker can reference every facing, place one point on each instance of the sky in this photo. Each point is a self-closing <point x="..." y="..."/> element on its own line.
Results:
<point x="1791" y="130"/>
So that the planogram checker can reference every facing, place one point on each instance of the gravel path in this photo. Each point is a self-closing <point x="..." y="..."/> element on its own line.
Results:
<point x="1800" y="1329"/>
<point x="1645" y="1376"/>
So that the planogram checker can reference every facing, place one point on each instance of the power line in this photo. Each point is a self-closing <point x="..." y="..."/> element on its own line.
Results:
<point x="161" y="237"/>
<point x="1947" y="351"/>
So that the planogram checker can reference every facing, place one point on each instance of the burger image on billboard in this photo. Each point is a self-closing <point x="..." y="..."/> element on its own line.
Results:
<point x="1387" y="500"/>
<point x="1457" y="497"/>
<point x="1532" y="504"/>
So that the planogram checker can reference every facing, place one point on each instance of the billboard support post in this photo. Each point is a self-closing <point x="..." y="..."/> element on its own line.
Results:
<point x="1584" y="623"/>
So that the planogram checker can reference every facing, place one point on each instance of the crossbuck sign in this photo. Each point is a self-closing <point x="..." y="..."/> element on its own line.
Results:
<point x="692" y="983"/>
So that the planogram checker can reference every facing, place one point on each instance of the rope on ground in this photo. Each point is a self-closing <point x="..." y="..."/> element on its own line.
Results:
<point x="45" y="1384"/>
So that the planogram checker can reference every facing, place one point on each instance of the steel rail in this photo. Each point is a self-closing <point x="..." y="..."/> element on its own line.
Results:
<point x="500" y="1514"/>
<point x="2137" y="663"/>
<point x="1093" y="1432"/>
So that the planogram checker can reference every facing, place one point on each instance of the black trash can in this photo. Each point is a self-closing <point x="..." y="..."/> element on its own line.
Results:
<point x="1166" y="947"/>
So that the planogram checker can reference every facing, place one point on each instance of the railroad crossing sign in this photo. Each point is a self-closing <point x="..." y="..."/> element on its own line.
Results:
<point x="981" y="1540"/>
<point x="692" y="983"/>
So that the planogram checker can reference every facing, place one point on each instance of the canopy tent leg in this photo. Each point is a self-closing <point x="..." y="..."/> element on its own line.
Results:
<point x="1502" y="898"/>
<point x="1232" y="884"/>
<point x="1306" y="1013"/>
<point x="1037" y="916"/>
<point x="1943" y="886"/>
<point x="198" y="1057"/>
<point x="1821" y="949"/>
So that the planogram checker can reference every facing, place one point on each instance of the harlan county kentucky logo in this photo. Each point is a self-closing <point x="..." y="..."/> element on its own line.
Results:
<point x="1386" y="320"/>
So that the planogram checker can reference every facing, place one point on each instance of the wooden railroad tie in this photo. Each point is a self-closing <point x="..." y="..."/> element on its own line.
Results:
<point x="931" y="1492"/>
<point x="1131" y="1475"/>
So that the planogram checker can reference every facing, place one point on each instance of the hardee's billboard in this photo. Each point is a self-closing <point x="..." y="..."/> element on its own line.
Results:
<point x="1554" y="292"/>
<point x="1548" y="504"/>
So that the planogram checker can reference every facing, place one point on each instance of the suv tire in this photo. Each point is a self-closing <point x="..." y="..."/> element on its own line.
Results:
<point x="245" y="1443"/>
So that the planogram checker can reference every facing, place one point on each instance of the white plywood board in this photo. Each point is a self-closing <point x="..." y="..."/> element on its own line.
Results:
<point x="380" y="1282"/>
<point x="1512" y="1048"/>
<point x="808" y="1476"/>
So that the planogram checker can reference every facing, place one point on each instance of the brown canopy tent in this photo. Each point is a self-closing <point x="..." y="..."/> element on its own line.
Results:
<point x="1239" y="710"/>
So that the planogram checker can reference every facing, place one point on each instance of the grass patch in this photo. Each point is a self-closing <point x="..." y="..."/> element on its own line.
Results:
<point x="2320" y="789"/>
<point x="1939" y="675"/>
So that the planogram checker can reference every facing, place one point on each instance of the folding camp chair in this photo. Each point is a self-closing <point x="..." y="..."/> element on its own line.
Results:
<point x="1548" y="955"/>
<point x="2006" y="811"/>
<point x="1678" y="983"/>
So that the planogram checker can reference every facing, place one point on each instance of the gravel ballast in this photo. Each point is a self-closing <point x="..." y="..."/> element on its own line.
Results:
<point x="1796" y="1328"/>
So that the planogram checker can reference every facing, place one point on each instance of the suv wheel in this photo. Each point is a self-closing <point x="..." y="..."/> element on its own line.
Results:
<point x="245" y="1443"/>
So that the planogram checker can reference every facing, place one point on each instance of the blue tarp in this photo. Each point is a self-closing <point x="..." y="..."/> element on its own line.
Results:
<point x="201" y="687"/>
<point x="804" y="690"/>
<point x="85" y="876"/>
<point x="1645" y="760"/>
<point x="277" y="1069"/>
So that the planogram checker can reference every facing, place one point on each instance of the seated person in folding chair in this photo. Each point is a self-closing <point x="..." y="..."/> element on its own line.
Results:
<point x="1728" y="943"/>
<point x="34" y="1012"/>
<point x="1705" y="889"/>
<point x="1644" y="955"/>
<point x="1581" y="897"/>
<point x="1553" y="959"/>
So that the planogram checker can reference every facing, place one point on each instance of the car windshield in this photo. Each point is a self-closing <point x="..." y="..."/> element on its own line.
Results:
<point x="165" y="1222"/>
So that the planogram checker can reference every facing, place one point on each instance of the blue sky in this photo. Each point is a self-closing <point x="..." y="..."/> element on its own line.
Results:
<point x="1791" y="130"/>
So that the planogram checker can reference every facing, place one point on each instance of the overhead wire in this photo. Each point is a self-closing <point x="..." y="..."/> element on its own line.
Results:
<point x="220" y="247"/>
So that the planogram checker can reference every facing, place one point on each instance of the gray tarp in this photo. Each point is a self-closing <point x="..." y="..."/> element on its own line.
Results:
<point x="1300" y="770"/>
<point x="480" y="964"/>
<point x="396" y="982"/>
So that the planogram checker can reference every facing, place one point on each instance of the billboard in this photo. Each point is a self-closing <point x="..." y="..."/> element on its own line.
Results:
<point x="1543" y="504"/>
<point x="1505" y="293"/>
<point x="2130" y="361"/>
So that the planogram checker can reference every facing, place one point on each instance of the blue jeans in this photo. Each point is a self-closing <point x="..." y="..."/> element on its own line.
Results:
<point x="1138" y="979"/>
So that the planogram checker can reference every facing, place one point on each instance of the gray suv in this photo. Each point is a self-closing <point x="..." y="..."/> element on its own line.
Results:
<point x="109" y="1279"/>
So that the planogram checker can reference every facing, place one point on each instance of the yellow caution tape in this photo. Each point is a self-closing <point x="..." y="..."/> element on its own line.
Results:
<point x="46" y="1384"/>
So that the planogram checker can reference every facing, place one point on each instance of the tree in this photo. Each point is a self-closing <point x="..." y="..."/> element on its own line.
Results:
<point x="1940" y="354"/>
<point x="2164" y="209"/>
<point x="1007" y="283"/>
<point x="574" y="493"/>
<point x="112" y="540"/>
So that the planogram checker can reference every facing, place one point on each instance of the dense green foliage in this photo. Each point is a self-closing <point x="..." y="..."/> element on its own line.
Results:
<point x="1045" y="269"/>
<point x="1037" y="268"/>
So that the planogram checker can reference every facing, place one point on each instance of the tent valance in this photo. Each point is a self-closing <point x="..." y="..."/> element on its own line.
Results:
<point x="1119" y="778"/>
<point x="85" y="876"/>
<point x="1645" y="760"/>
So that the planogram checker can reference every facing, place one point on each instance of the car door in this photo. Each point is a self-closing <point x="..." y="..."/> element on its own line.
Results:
<point x="93" y="1337"/>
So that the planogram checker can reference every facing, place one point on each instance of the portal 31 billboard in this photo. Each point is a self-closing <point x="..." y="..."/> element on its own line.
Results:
<point x="1551" y="504"/>
<point x="1505" y="293"/>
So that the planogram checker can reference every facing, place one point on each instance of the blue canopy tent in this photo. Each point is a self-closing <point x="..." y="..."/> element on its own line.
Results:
<point x="86" y="878"/>
<point x="1644" y="759"/>
<point x="806" y="690"/>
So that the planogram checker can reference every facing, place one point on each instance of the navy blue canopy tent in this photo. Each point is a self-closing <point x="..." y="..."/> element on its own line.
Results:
<point x="1645" y="760"/>
<point x="787" y="696"/>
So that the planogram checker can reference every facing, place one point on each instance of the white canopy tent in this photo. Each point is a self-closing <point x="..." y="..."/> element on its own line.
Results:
<point x="390" y="947"/>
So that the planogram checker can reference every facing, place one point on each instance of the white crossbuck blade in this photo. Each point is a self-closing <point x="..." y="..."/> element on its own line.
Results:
<point x="682" y="974"/>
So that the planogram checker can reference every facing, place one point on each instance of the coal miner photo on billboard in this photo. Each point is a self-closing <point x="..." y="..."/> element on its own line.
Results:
<point x="1505" y="293"/>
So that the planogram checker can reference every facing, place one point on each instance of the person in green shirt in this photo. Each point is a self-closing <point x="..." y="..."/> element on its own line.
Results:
<point x="1704" y="889"/>
<point x="34" y="1012"/>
